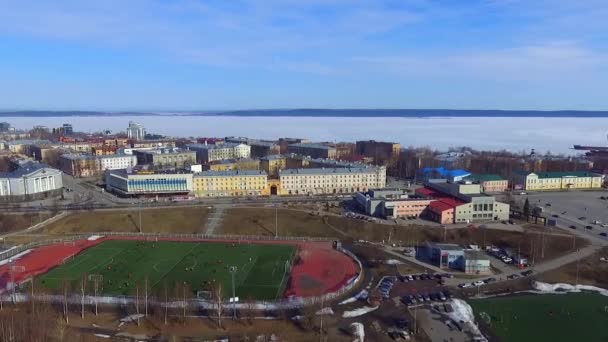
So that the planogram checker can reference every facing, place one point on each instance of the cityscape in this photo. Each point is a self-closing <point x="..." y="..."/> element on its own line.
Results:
<point x="452" y="224"/>
<point x="302" y="170"/>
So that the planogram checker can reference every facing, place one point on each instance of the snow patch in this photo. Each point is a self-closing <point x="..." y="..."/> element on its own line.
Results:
<point x="561" y="288"/>
<point x="325" y="311"/>
<point x="464" y="312"/>
<point x="358" y="332"/>
<point x="102" y="336"/>
<point x="393" y="262"/>
<point x="359" y="312"/>
<point x="94" y="237"/>
<point x="131" y="318"/>
<point x="359" y="296"/>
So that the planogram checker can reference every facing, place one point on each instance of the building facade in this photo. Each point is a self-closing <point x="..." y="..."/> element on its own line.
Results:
<point x="208" y="153"/>
<point x="331" y="181"/>
<point x="231" y="183"/>
<point x="29" y="181"/>
<point x="543" y="181"/>
<point x="132" y="183"/>
<point x="489" y="182"/>
<point x="166" y="158"/>
<point x="377" y="149"/>
<point x="273" y="164"/>
<point x="136" y="131"/>
<point x="85" y="165"/>
<point x="234" y="164"/>
<point x="116" y="162"/>
<point x="313" y="150"/>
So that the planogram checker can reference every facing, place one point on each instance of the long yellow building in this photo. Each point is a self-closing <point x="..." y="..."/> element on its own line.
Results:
<point x="230" y="183"/>
<point x="541" y="181"/>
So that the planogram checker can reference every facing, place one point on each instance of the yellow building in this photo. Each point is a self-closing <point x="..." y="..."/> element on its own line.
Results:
<point x="231" y="183"/>
<point x="273" y="164"/>
<point x="542" y="181"/>
<point x="234" y="164"/>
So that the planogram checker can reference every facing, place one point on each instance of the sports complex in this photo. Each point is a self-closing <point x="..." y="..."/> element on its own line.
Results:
<point x="121" y="265"/>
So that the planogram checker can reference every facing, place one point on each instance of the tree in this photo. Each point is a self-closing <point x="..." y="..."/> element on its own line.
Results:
<point x="83" y="283"/>
<point x="218" y="298"/>
<point x="527" y="208"/>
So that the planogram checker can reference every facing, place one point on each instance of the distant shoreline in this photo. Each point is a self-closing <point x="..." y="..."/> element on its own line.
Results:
<point x="359" y="113"/>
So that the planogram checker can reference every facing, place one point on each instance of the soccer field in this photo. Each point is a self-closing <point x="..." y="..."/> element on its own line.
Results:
<point x="262" y="269"/>
<point x="550" y="318"/>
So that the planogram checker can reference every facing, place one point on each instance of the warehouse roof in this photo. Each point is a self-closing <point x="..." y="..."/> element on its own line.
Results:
<point x="312" y="145"/>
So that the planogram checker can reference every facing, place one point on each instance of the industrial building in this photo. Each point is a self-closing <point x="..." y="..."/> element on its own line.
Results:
<point x="30" y="180"/>
<point x="541" y="181"/>
<point x="331" y="180"/>
<point x="439" y="173"/>
<point x="206" y="153"/>
<point x="390" y="203"/>
<point x="133" y="182"/>
<point x="312" y="150"/>
<point x="454" y="257"/>
<point x="230" y="183"/>
<point x="166" y="158"/>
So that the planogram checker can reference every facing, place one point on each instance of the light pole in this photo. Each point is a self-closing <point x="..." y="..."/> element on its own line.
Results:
<point x="233" y="270"/>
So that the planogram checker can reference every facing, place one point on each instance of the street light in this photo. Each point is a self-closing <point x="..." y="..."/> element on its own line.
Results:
<point x="233" y="270"/>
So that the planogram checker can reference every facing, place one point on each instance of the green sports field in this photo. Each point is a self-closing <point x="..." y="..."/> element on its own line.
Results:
<point x="550" y="318"/>
<point x="126" y="264"/>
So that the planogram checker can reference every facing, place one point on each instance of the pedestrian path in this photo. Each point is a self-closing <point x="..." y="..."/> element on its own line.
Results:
<point x="214" y="219"/>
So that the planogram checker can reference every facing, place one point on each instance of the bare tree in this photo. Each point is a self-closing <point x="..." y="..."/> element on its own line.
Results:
<point x="137" y="302"/>
<point x="218" y="298"/>
<point x="83" y="283"/>
<point x="146" y="295"/>
<point x="65" y="287"/>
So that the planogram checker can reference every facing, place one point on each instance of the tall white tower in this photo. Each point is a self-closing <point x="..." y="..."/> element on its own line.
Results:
<point x="136" y="131"/>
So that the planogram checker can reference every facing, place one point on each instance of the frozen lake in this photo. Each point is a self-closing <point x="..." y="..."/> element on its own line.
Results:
<point x="515" y="134"/>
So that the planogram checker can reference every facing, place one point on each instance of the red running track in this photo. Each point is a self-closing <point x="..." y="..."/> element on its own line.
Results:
<point x="319" y="268"/>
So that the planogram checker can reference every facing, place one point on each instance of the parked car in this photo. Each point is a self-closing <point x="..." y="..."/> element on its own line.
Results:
<point x="555" y="215"/>
<point x="572" y="227"/>
<point x="526" y="273"/>
<point x="513" y="276"/>
<point x="548" y="204"/>
<point x="464" y="285"/>
<point x="582" y="218"/>
<point x="507" y="260"/>
<point x="442" y="296"/>
<point x="489" y="280"/>
<point x="478" y="283"/>
<point x="603" y="234"/>
<point x="589" y="227"/>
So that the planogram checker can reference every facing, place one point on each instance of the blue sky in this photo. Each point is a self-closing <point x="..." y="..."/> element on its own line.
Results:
<point x="240" y="54"/>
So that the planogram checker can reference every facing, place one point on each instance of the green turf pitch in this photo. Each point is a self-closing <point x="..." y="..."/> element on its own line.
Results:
<point x="125" y="264"/>
<point x="546" y="318"/>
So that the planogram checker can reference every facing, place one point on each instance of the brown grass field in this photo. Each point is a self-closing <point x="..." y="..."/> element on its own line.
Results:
<point x="173" y="220"/>
<point x="14" y="222"/>
<point x="591" y="271"/>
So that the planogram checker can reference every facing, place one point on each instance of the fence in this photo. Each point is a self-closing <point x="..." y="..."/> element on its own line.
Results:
<point x="194" y="303"/>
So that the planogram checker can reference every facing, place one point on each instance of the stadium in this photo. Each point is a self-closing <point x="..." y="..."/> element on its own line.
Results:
<point x="123" y="265"/>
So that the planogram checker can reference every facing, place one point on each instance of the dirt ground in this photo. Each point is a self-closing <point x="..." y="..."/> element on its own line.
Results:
<point x="14" y="222"/>
<point x="591" y="271"/>
<point x="169" y="220"/>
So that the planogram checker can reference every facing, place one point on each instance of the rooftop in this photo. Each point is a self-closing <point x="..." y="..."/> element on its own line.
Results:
<point x="213" y="147"/>
<point x="485" y="177"/>
<point x="273" y="157"/>
<point x="137" y="171"/>
<point x="475" y="255"/>
<point x="446" y="246"/>
<point x="230" y="173"/>
<point x="324" y="171"/>
<point x="25" y="169"/>
<point x="312" y="145"/>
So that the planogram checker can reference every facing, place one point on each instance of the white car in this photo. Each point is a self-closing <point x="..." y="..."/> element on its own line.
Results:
<point x="507" y="260"/>
<point x="523" y="193"/>
<point x="479" y="283"/>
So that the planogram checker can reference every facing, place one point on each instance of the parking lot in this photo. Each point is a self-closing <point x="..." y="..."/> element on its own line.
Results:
<point x="575" y="209"/>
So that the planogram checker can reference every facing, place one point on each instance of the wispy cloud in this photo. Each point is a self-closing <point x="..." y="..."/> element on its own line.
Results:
<point x="541" y="62"/>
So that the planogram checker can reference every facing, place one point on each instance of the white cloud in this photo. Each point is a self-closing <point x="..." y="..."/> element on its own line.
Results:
<point x="548" y="61"/>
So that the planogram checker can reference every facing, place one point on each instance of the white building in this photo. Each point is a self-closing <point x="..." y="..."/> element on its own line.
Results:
<point x="30" y="179"/>
<point x="331" y="180"/>
<point x="208" y="153"/>
<point x="136" y="131"/>
<point x="144" y="182"/>
<point x="117" y="162"/>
